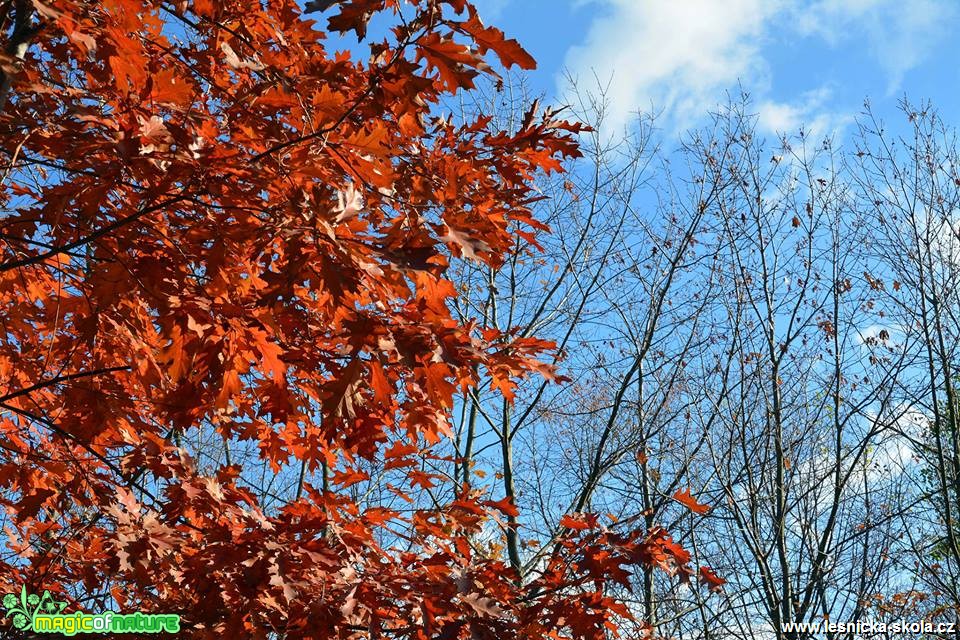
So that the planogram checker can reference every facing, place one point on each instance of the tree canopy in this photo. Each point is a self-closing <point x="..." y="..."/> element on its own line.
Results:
<point x="217" y="228"/>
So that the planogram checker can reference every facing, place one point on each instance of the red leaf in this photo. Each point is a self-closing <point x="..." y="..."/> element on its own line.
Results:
<point x="399" y="455"/>
<point x="712" y="580"/>
<point x="687" y="500"/>
<point x="349" y="477"/>
<point x="468" y="246"/>
<point x="574" y="521"/>
<point x="505" y="506"/>
<point x="490" y="38"/>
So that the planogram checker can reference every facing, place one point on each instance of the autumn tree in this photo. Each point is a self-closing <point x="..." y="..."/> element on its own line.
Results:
<point x="735" y="378"/>
<point x="225" y="282"/>
<point x="909" y="181"/>
<point x="621" y="287"/>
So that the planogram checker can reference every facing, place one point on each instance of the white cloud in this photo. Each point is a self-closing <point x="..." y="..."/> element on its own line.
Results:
<point x="899" y="34"/>
<point x="891" y="336"/>
<point x="894" y="454"/>
<point x="490" y="10"/>
<point x="681" y="56"/>
<point x="670" y="54"/>
<point x="811" y="112"/>
<point x="940" y="235"/>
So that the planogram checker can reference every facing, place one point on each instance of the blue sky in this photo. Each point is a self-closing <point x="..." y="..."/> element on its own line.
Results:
<point x="807" y="62"/>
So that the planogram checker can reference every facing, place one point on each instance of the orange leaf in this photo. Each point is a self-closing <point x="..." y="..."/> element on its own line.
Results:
<point x="687" y="500"/>
<point x="571" y="521"/>
<point x="505" y="506"/>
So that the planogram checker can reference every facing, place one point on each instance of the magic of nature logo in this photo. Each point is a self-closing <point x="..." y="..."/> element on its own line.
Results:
<point x="43" y="614"/>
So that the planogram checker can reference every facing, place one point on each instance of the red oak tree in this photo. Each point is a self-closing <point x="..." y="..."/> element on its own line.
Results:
<point x="212" y="218"/>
